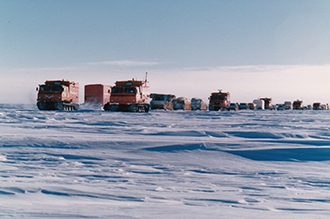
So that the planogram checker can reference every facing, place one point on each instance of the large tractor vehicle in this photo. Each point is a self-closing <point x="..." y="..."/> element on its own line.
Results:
<point x="219" y="101"/>
<point x="297" y="105"/>
<point x="58" y="95"/>
<point x="129" y="96"/>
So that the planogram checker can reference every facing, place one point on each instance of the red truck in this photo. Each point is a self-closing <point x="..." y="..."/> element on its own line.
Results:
<point x="58" y="95"/>
<point x="219" y="101"/>
<point x="297" y="105"/>
<point x="129" y="96"/>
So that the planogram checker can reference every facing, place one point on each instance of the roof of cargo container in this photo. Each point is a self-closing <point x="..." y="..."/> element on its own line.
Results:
<point x="95" y="85"/>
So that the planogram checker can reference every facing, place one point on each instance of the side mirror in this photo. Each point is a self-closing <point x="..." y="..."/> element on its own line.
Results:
<point x="37" y="88"/>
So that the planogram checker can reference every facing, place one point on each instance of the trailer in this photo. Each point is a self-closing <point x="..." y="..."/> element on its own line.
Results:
<point x="97" y="94"/>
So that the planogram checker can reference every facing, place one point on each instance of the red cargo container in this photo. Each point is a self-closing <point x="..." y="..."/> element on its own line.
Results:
<point x="97" y="94"/>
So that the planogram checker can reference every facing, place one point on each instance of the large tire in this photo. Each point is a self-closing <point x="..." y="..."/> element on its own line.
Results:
<point x="106" y="107"/>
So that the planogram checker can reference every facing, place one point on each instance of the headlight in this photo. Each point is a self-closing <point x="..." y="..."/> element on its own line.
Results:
<point x="133" y="100"/>
<point x="112" y="100"/>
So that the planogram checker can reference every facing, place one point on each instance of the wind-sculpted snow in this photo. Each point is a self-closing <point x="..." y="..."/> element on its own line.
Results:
<point x="164" y="164"/>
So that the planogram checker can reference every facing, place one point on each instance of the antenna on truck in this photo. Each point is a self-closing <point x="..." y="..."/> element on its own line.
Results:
<point x="146" y="77"/>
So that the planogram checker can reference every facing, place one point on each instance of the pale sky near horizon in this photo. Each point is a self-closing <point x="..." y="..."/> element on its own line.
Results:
<point x="255" y="48"/>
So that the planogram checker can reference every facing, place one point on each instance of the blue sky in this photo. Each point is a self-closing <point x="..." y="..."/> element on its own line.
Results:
<point x="189" y="47"/>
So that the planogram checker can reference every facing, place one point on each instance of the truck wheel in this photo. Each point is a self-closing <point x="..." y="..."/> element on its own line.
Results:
<point x="146" y="109"/>
<point x="106" y="107"/>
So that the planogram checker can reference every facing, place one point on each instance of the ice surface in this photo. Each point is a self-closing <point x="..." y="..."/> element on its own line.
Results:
<point x="164" y="164"/>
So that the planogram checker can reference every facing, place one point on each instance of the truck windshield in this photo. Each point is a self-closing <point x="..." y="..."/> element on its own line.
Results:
<point x="130" y="90"/>
<point x="159" y="97"/>
<point x="51" y="88"/>
<point x="117" y="90"/>
<point x="57" y="88"/>
<point x="44" y="88"/>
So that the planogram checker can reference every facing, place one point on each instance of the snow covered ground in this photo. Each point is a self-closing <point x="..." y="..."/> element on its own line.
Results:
<point x="174" y="164"/>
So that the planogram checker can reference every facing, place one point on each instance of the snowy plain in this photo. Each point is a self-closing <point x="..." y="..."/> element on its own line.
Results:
<point x="163" y="164"/>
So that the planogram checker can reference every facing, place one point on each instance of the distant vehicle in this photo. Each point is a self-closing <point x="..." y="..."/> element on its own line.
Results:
<point x="129" y="96"/>
<point x="325" y="106"/>
<point x="280" y="107"/>
<point x="162" y="101"/>
<point x="181" y="103"/>
<point x="58" y="95"/>
<point x="268" y="102"/>
<point x="297" y="105"/>
<point x="97" y="94"/>
<point x="260" y="104"/>
<point x="317" y="106"/>
<point x="287" y="105"/>
<point x="198" y="104"/>
<point x="243" y="106"/>
<point x="252" y="106"/>
<point x="233" y="106"/>
<point x="219" y="101"/>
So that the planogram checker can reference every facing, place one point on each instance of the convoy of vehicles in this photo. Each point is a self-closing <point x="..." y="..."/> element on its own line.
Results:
<point x="134" y="96"/>
<point x="58" y="95"/>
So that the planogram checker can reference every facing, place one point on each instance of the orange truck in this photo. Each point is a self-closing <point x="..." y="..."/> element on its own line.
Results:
<point x="58" y="95"/>
<point x="219" y="101"/>
<point x="129" y="96"/>
<point x="297" y="105"/>
<point x="97" y="94"/>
